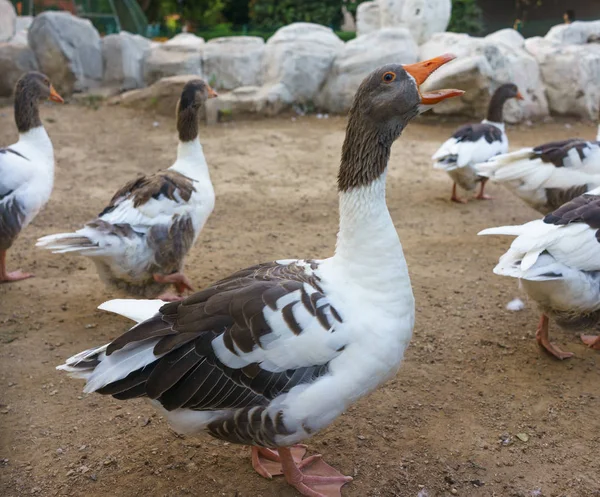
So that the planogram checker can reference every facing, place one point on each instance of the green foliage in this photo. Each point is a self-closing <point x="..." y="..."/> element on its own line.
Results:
<point x="202" y="12"/>
<point x="351" y="6"/>
<point x="466" y="17"/>
<point x="346" y="35"/>
<point x="273" y="13"/>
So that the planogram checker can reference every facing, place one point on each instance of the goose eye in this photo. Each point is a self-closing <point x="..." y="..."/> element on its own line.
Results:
<point x="388" y="77"/>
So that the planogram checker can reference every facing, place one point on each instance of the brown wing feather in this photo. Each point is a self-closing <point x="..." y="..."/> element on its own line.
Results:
<point x="142" y="189"/>
<point x="583" y="209"/>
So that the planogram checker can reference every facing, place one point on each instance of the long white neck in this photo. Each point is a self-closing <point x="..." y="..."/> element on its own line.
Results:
<point x="37" y="146"/>
<point x="190" y="160"/>
<point x="368" y="247"/>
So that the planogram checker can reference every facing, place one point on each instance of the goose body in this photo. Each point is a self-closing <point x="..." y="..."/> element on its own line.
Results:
<point x="472" y="144"/>
<point x="274" y="353"/>
<point x="557" y="259"/>
<point x="139" y="241"/>
<point x="26" y="167"/>
<point x="549" y="175"/>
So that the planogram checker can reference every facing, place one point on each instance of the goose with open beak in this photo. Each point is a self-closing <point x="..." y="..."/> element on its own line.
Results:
<point x="274" y="353"/>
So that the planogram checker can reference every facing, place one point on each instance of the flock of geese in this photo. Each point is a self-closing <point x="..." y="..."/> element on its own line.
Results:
<point x="273" y="353"/>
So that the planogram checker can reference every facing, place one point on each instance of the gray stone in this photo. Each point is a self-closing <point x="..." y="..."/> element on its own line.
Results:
<point x="68" y="50"/>
<point x="184" y="42"/>
<point x="367" y="18"/>
<point x="423" y="18"/>
<point x="576" y="33"/>
<point x="234" y="61"/>
<point x="123" y="55"/>
<point x="163" y="63"/>
<point x="15" y="60"/>
<point x="8" y="18"/>
<point x="299" y="56"/>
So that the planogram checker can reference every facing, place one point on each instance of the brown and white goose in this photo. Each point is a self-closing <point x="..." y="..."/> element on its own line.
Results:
<point x="557" y="260"/>
<point x="140" y="239"/>
<point x="549" y="175"/>
<point x="274" y="353"/>
<point x="474" y="143"/>
<point x="26" y="167"/>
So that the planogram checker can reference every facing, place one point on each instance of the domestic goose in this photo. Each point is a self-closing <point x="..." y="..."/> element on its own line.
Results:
<point x="26" y="167"/>
<point x="474" y="143"/>
<point x="274" y="353"/>
<point x="557" y="260"/>
<point x="140" y="239"/>
<point x="549" y="175"/>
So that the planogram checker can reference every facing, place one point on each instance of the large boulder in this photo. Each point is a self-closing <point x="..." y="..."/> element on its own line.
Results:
<point x="68" y="50"/>
<point x="161" y="97"/>
<point x="184" y="42"/>
<point x="123" y="56"/>
<point x="577" y="33"/>
<point x="359" y="57"/>
<point x="571" y="74"/>
<point x="15" y="59"/>
<point x="234" y="61"/>
<point x="8" y="19"/>
<point x="299" y="57"/>
<point x="483" y="65"/>
<point x="367" y="18"/>
<point x="22" y="29"/>
<point x="423" y="18"/>
<point x="162" y="62"/>
<point x="263" y="100"/>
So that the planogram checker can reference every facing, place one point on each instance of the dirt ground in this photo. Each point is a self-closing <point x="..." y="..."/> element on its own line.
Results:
<point x="476" y="409"/>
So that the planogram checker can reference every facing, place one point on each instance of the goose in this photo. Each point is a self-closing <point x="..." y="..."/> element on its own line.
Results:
<point x="139" y="241"/>
<point x="474" y="143"/>
<point x="274" y="353"/>
<point x="549" y="175"/>
<point x="557" y="260"/>
<point x="26" y="167"/>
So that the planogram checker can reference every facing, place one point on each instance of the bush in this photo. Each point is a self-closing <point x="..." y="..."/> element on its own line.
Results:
<point x="281" y="12"/>
<point x="466" y="17"/>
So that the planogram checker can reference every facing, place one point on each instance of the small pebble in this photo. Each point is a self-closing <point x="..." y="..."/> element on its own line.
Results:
<point x="453" y="491"/>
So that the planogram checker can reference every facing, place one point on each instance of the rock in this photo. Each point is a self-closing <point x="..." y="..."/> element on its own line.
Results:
<point x="15" y="59"/>
<point x="161" y="63"/>
<point x="299" y="56"/>
<point x="234" y="61"/>
<point x="123" y="56"/>
<point x="483" y="65"/>
<point x="68" y="50"/>
<point x="576" y="33"/>
<point x="359" y="57"/>
<point x="184" y="42"/>
<point x="161" y="97"/>
<point x="267" y="100"/>
<point x="571" y="75"/>
<point x="23" y="23"/>
<point x="8" y="19"/>
<point x="367" y="18"/>
<point x="508" y="36"/>
<point x="423" y="18"/>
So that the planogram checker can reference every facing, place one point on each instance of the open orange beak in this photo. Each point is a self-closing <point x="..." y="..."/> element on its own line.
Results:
<point x="519" y="96"/>
<point x="422" y="70"/>
<point x="54" y="96"/>
<point x="212" y="93"/>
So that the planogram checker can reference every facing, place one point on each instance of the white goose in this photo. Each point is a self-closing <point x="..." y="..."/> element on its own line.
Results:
<point x="474" y="143"/>
<point x="557" y="260"/>
<point x="26" y="167"/>
<point x="139" y="241"/>
<point x="274" y="353"/>
<point x="548" y="175"/>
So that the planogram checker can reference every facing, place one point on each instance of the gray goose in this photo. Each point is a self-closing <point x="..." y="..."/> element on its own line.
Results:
<point x="274" y="353"/>
<point x="140" y="239"/>
<point x="474" y="143"/>
<point x="26" y="167"/>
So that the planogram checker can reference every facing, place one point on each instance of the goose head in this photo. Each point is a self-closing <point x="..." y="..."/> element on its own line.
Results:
<point x="31" y="89"/>
<point x="193" y="97"/>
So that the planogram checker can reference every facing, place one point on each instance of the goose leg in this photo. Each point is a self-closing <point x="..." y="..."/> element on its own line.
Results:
<point x="592" y="341"/>
<point x="541" y="335"/>
<point x="179" y="280"/>
<point x="481" y="195"/>
<point x="6" y="277"/>
<point x="267" y="463"/>
<point x="455" y="197"/>
<point x="312" y="477"/>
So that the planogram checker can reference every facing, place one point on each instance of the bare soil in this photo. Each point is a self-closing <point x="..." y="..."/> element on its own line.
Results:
<point x="476" y="409"/>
